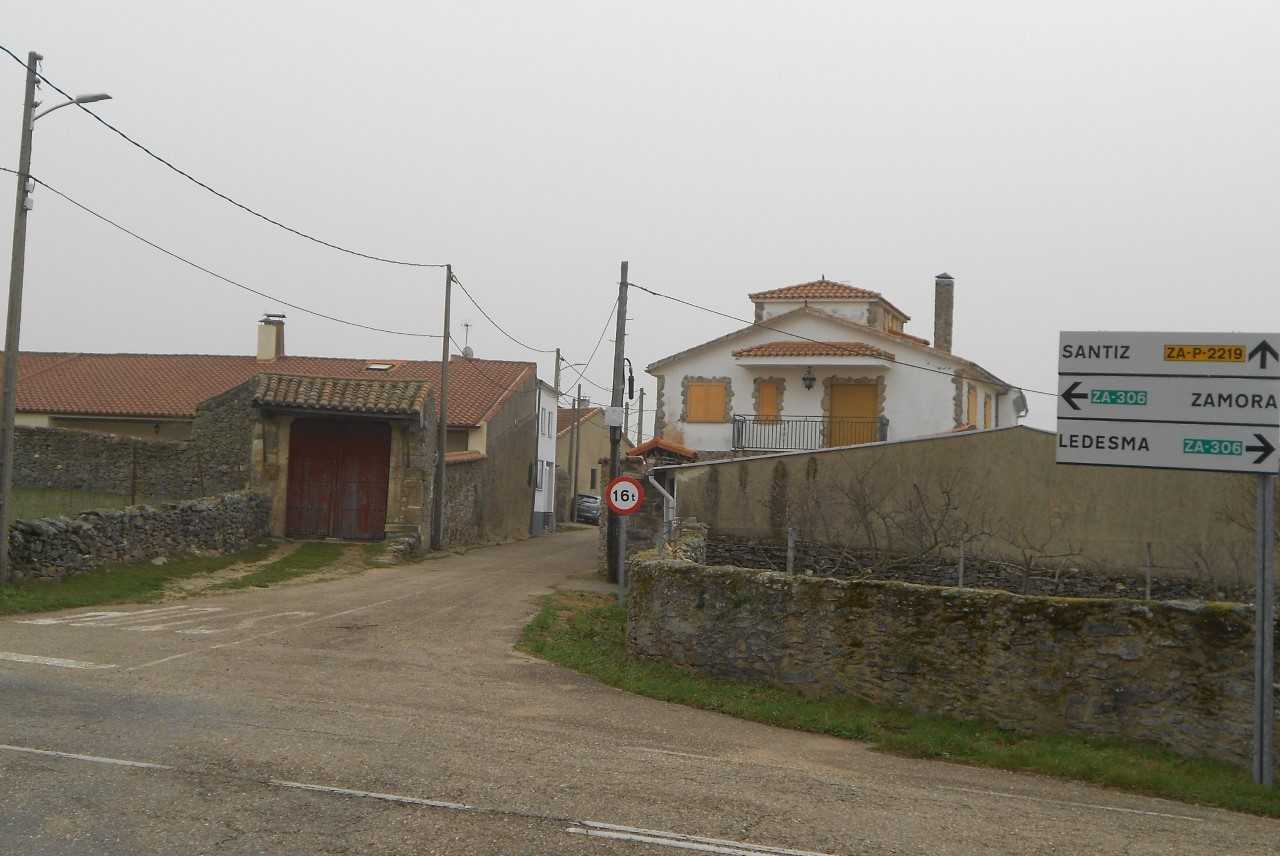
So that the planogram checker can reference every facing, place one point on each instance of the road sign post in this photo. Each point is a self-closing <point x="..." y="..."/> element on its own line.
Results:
<point x="623" y="495"/>
<point x="1186" y="401"/>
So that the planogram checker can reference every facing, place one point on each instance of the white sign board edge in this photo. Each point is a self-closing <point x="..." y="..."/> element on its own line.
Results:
<point x="1170" y="446"/>
<point x="1209" y="401"/>
<point x="1170" y="353"/>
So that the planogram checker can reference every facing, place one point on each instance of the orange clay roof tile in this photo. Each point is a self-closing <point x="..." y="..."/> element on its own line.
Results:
<point x="800" y="348"/>
<point x="821" y="289"/>
<point x="172" y="385"/>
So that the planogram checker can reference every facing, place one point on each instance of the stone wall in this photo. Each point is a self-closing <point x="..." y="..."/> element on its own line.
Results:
<point x="53" y="547"/>
<point x="1177" y="674"/>
<point x="490" y="500"/>
<point x="221" y="439"/>
<point x="999" y="491"/>
<point x="137" y="469"/>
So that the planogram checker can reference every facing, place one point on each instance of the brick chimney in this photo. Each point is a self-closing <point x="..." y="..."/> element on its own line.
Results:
<point x="270" y="338"/>
<point x="944" y="305"/>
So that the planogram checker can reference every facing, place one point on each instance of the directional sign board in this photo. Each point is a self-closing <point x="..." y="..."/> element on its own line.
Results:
<point x="1188" y="401"/>
<point x="624" y="495"/>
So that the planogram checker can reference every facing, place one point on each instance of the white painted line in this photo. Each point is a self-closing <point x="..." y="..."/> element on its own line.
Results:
<point x="198" y="613"/>
<point x="673" y="753"/>
<point x="741" y="846"/>
<point x="591" y="828"/>
<point x="373" y="795"/>
<point x="123" y="617"/>
<point x="661" y="841"/>
<point x="53" y="661"/>
<point x="64" y="619"/>
<point x="94" y="758"/>
<point x="1070" y="803"/>
<point x="243" y="625"/>
<point x="271" y="632"/>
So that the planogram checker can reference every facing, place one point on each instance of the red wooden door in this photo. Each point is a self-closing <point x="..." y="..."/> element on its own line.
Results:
<point x="338" y="475"/>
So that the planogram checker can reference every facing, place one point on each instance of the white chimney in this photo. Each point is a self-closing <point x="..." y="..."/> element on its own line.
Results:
<point x="270" y="337"/>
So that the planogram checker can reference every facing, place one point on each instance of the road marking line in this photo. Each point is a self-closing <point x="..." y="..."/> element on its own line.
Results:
<point x="673" y="753"/>
<point x="741" y="845"/>
<point x="271" y="632"/>
<point x="53" y="661"/>
<point x="109" y="620"/>
<point x="66" y="618"/>
<point x="594" y="829"/>
<point x="396" y="798"/>
<point x="243" y="625"/>
<point x="1070" y="803"/>
<point x="94" y="758"/>
<point x="194" y="614"/>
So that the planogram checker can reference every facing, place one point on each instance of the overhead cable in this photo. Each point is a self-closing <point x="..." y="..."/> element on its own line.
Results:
<point x="218" y="193"/>
<point x="837" y="345"/>
<point x="228" y="280"/>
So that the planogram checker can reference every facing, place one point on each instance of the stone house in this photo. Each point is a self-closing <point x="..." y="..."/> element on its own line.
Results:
<point x="827" y="365"/>
<point x="344" y="447"/>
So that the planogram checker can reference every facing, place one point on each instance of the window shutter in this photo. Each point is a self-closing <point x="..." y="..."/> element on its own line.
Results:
<point x="706" y="402"/>
<point x="767" y="401"/>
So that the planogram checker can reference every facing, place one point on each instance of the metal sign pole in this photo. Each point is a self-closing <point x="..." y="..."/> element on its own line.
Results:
<point x="1264" y="762"/>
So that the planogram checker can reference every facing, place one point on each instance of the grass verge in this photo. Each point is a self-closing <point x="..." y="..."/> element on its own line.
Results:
<point x="586" y="632"/>
<point x="307" y="559"/>
<point x="133" y="583"/>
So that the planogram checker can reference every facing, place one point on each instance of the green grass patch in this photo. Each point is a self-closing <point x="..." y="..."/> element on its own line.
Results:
<point x="307" y="559"/>
<point x="586" y="632"/>
<point x="132" y="583"/>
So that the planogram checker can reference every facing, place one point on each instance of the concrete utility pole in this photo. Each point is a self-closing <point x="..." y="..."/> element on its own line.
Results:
<point x="442" y="424"/>
<point x="640" y="420"/>
<point x="614" y="538"/>
<point x="575" y="444"/>
<point x="555" y="432"/>
<point x="14" y="324"/>
<point x="626" y="420"/>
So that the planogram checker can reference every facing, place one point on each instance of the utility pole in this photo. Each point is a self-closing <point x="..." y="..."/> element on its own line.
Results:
<point x="614" y="542"/>
<point x="1264" y="663"/>
<point x="626" y="420"/>
<point x="442" y="424"/>
<point x="640" y="420"/>
<point x="555" y="431"/>
<point x="575" y="443"/>
<point x="14" y="322"/>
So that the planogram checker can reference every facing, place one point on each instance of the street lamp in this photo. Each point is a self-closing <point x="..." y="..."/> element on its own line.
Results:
<point x="79" y="99"/>
<point x="14" y="320"/>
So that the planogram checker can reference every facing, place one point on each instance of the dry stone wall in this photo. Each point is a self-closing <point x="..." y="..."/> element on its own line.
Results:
<point x="53" y="547"/>
<point x="1178" y="674"/>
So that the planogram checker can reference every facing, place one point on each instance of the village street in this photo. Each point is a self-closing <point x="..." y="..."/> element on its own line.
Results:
<point x="243" y="723"/>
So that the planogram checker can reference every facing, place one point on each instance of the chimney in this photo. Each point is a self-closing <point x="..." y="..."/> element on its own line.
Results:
<point x="270" y="337"/>
<point x="944" y="305"/>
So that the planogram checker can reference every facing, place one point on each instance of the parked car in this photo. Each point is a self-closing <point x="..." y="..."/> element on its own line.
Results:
<point x="588" y="508"/>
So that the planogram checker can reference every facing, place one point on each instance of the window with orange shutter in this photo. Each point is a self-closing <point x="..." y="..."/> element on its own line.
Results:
<point x="986" y="411"/>
<point x="706" y="402"/>
<point x="768" y="401"/>
<point x="973" y="406"/>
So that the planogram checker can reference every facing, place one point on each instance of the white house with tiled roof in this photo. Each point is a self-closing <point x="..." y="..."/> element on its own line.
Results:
<point x="827" y="364"/>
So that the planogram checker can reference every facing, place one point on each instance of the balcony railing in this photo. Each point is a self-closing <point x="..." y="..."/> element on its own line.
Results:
<point x="802" y="433"/>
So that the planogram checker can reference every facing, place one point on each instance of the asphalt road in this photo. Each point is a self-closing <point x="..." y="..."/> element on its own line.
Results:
<point x="386" y="713"/>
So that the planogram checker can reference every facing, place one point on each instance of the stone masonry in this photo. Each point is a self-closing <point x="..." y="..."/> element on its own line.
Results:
<point x="1178" y="674"/>
<point x="53" y="547"/>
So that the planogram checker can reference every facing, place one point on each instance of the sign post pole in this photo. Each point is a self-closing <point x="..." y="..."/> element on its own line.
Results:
<point x="1264" y="763"/>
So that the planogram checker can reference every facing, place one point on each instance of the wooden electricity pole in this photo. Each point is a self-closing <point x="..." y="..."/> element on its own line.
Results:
<point x="614" y="544"/>
<point x="442" y="424"/>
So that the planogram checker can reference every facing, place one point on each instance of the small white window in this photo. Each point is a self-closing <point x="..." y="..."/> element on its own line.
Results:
<point x="379" y="367"/>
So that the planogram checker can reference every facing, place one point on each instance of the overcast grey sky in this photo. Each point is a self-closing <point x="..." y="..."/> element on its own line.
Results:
<point x="1092" y="165"/>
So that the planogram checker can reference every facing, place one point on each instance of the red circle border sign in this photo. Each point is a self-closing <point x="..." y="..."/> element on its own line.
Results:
<point x="624" y="482"/>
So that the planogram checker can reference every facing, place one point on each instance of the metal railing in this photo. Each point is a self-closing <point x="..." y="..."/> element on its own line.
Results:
<point x="803" y="433"/>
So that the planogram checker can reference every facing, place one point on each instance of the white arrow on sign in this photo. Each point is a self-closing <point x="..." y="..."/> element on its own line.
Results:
<point x="1219" y="401"/>
<point x="1170" y="445"/>
<point x="1250" y="355"/>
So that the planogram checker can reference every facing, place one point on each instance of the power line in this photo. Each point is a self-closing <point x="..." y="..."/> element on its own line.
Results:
<point x="501" y="330"/>
<point x="895" y="360"/>
<point x="228" y="280"/>
<point x="226" y="198"/>
<point x="587" y="364"/>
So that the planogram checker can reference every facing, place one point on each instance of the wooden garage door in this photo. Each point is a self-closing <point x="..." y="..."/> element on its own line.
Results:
<point x="338" y="479"/>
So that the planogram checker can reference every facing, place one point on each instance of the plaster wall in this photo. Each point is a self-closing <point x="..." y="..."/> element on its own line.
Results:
<point x="1008" y="485"/>
<point x="850" y="310"/>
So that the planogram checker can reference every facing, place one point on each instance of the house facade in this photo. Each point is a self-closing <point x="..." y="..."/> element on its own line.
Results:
<point x="544" y="467"/>
<point x="826" y="365"/>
